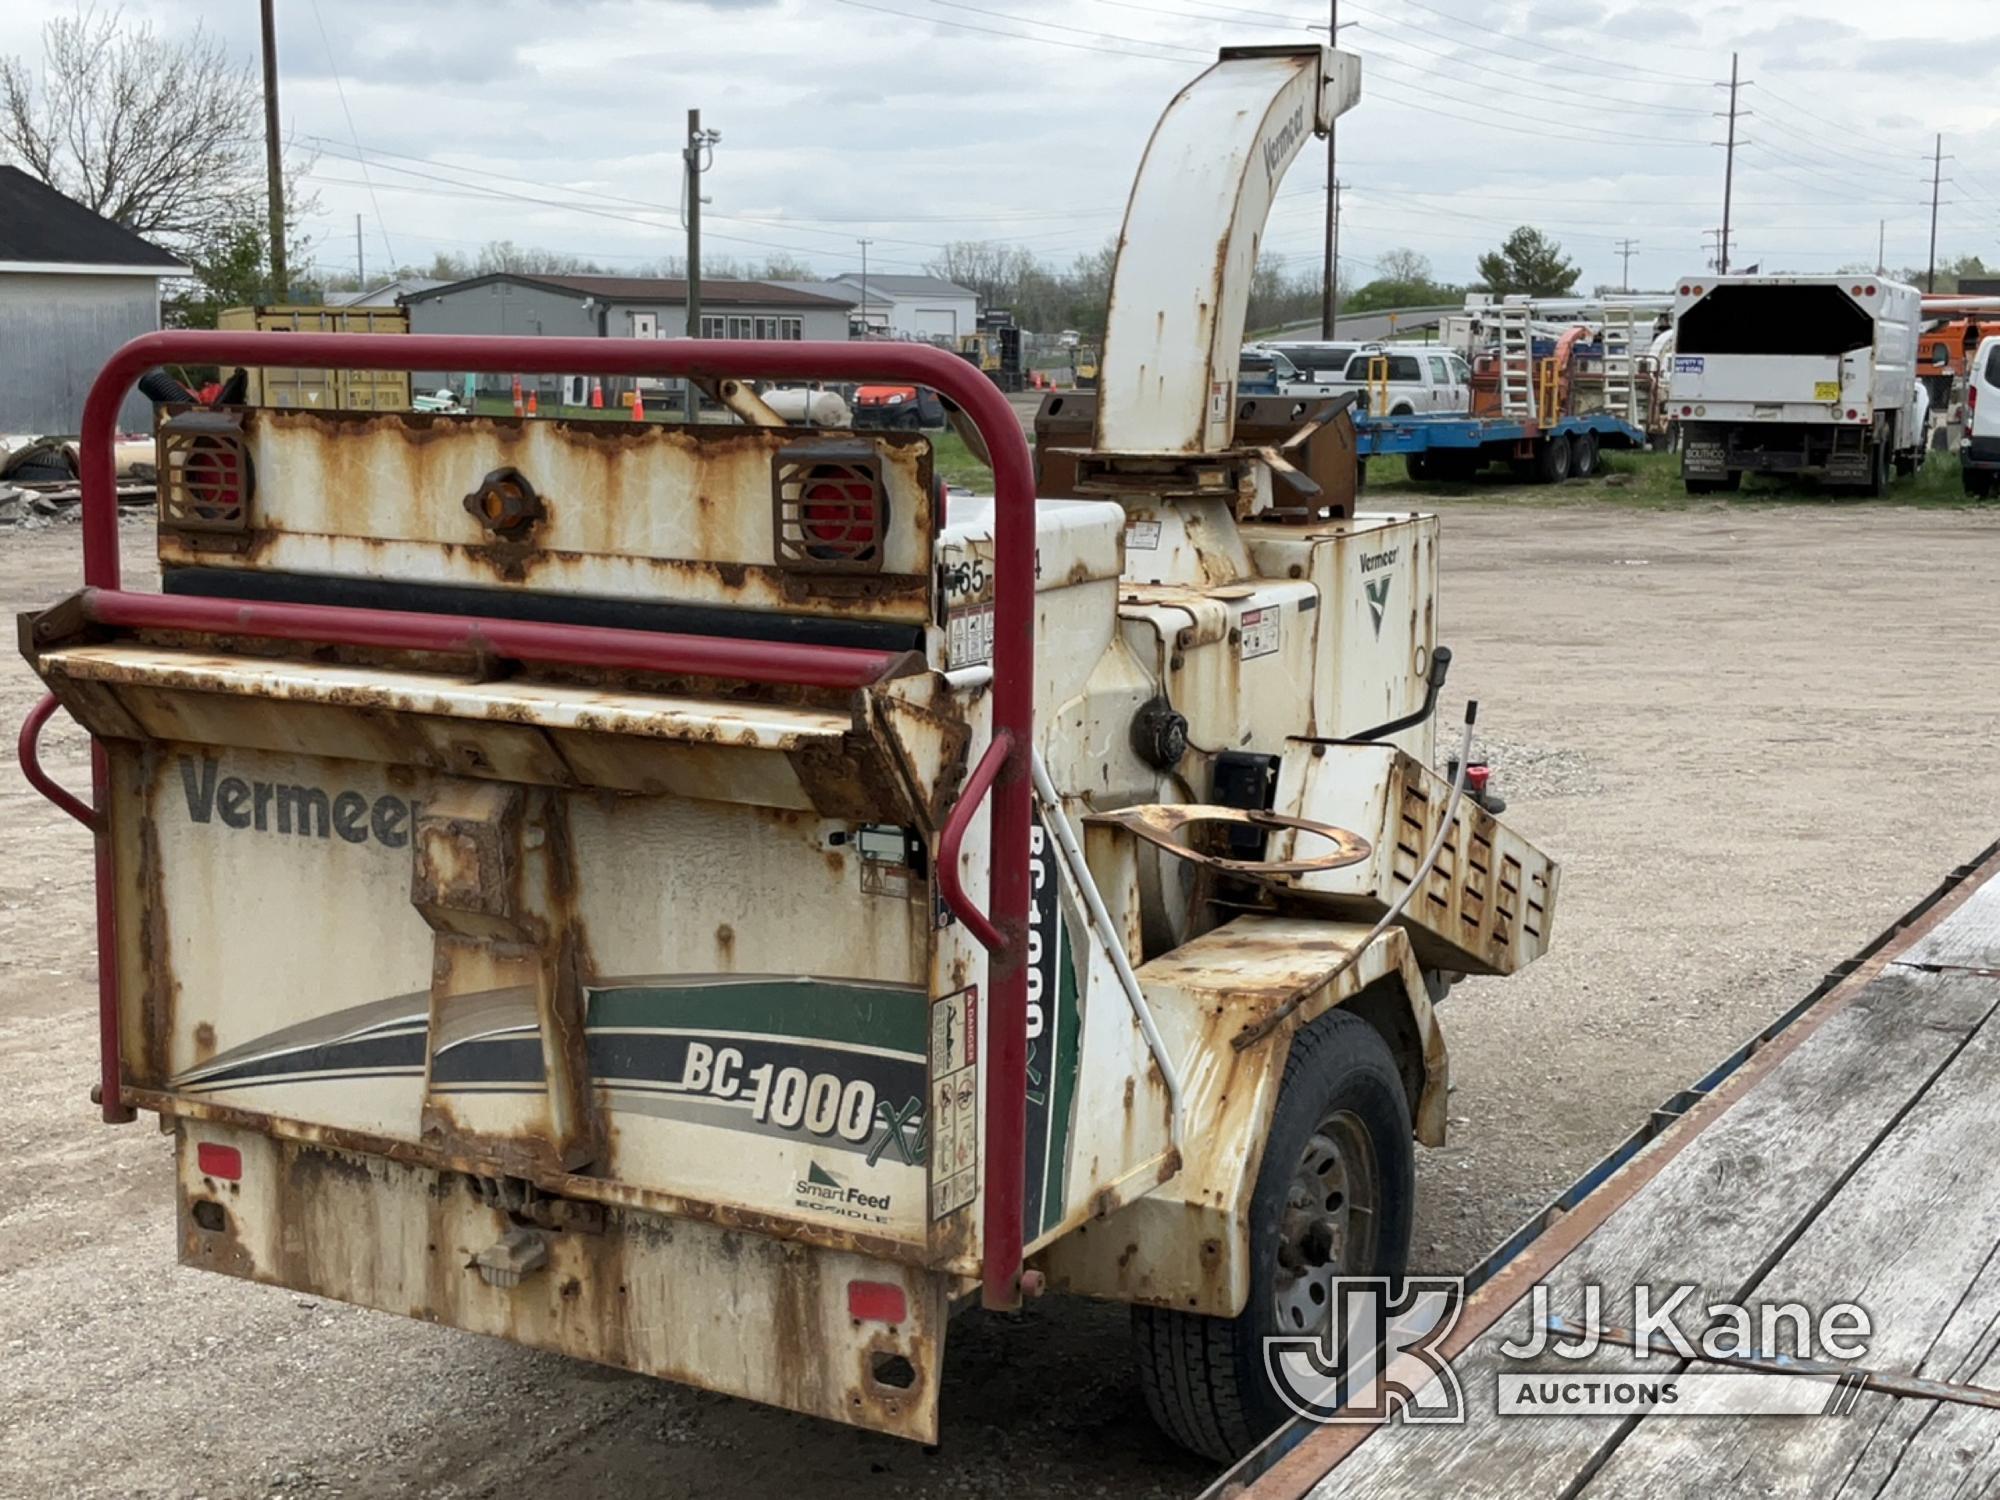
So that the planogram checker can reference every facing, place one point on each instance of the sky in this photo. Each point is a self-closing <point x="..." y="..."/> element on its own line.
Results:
<point x="915" y="122"/>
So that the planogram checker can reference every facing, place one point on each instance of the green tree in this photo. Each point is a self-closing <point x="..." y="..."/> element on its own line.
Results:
<point x="1530" y="263"/>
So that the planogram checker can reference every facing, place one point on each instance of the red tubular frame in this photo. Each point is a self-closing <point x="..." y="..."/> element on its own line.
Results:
<point x="1013" y="642"/>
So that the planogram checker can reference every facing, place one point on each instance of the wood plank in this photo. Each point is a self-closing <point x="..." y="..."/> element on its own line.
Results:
<point x="1916" y="1442"/>
<point x="1718" y="1216"/>
<point x="1968" y="938"/>
<point x="1911" y="1238"/>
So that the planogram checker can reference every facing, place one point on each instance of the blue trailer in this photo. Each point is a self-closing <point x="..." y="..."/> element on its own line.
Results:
<point x="1454" y="446"/>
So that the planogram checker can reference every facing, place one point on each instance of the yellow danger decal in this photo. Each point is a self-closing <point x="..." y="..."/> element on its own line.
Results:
<point x="1826" y="390"/>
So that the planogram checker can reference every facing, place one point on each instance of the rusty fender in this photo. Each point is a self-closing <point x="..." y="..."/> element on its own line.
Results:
<point x="1186" y="1244"/>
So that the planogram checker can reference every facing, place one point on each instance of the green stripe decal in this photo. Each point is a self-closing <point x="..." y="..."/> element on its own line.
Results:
<point x="824" y="1010"/>
<point x="1062" y="1085"/>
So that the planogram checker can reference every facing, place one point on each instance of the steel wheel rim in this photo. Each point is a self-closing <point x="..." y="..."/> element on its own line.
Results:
<point x="1329" y="1223"/>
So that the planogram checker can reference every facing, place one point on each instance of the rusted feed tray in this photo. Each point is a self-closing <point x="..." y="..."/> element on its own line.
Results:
<point x="1848" y="1160"/>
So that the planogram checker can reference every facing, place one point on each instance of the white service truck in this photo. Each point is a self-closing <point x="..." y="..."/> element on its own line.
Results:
<point x="1797" y="375"/>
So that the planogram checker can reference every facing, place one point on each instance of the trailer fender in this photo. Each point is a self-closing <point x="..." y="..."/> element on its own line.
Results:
<point x="1186" y="1244"/>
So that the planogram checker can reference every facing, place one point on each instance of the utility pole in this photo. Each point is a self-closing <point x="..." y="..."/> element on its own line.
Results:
<point x="1881" y="246"/>
<point x="1937" y="169"/>
<point x="1625" y="249"/>
<point x="695" y="157"/>
<point x="360" y="261"/>
<point x="1329" y="302"/>
<point x="1728" y="172"/>
<point x="864" y="285"/>
<point x="274" y="164"/>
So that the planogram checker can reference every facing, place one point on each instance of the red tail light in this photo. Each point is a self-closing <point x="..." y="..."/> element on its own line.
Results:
<point x="877" y="1302"/>
<point x="1972" y="398"/>
<point x="224" y="1163"/>
<point x="839" y="514"/>
<point x="830" y="511"/>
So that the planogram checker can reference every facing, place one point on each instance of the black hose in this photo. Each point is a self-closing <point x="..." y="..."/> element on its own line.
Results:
<point x="160" y="388"/>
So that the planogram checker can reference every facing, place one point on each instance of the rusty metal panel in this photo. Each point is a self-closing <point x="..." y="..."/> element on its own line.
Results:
<point x="1487" y="906"/>
<point x="1185" y="1244"/>
<point x="715" y="1308"/>
<point x="629" y="511"/>
<point x="548" y="733"/>
<point x="1376" y="577"/>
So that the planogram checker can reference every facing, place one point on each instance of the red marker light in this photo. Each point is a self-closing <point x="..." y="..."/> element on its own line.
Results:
<point x="1851" y="414"/>
<point x="1687" y="411"/>
<point x="877" y="1302"/>
<point x="1684" y="289"/>
<point x="224" y="1163"/>
<point x="1871" y="291"/>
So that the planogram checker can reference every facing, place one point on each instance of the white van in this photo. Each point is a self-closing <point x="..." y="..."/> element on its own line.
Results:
<point x="1979" y="447"/>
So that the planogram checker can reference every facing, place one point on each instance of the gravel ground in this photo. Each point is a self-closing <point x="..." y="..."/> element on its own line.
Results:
<point x="1753" y="736"/>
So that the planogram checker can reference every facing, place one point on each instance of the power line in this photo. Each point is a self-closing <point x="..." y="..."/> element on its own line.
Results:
<point x="381" y="224"/>
<point x="904" y="15"/>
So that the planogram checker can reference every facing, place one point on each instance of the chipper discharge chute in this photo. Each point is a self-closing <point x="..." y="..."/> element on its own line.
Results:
<point x="681" y="897"/>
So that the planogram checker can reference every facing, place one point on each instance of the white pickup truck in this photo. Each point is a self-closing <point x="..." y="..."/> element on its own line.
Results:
<point x="1399" y="380"/>
<point x="1797" y="375"/>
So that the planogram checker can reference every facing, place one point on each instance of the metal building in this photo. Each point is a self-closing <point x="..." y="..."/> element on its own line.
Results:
<point x="73" y="287"/>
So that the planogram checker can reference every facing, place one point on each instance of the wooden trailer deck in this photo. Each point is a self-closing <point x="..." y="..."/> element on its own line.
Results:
<point x="1854" y="1157"/>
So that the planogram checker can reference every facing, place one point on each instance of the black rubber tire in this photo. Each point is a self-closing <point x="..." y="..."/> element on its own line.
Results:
<point x="1583" y="455"/>
<point x="1203" y="1377"/>
<point x="1552" y="456"/>
<point x="1877" y="482"/>
<point x="1978" y="483"/>
<point x="1422" y="467"/>
<point x="1360" y="475"/>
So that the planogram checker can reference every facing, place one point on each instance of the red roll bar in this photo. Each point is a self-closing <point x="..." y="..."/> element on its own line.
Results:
<point x="1013" y="638"/>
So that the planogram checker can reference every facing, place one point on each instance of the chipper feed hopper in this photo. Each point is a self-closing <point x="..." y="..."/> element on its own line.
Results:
<point x="686" y="897"/>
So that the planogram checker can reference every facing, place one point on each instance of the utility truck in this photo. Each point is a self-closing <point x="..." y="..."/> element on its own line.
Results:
<point x="1797" y="375"/>
<point x="689" y="898"/>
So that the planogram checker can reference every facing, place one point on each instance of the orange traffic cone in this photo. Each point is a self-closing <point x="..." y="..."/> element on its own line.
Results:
<point x="596" y="394"/>
<point x="518" y="408"/>
<point x="534" y="406"/>
<point x="638" y="407"/>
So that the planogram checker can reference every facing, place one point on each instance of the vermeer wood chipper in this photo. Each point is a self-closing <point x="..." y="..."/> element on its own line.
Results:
<point x="691" y="898"/>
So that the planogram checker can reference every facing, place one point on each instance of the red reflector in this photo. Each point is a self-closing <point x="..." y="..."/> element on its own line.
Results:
<point x="840" y="514"/>
<point x="225" y="1162"/>
<point x="877" y="1302"/>
<point x="1871" y="291"/>
<point x="1971" y="398"/>
<point x="1852" y="414"/>
<point x="1684" y="289"/>
<point x="1687" y="411"/>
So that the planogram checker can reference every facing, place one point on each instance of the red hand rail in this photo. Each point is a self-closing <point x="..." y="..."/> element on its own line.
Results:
<point x="30" y="749"/>
<point x="1013" y="638"/>
<point x="949" y="885"/>
<point x="517" y="640"/>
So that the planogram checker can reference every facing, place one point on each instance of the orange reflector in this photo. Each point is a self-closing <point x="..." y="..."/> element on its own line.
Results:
<point x="224" y="1162"/>
<point x="877" y="1302"/>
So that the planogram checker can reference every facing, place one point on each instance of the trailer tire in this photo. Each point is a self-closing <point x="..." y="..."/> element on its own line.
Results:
<point x="1203" y="1377"/>
<point x="1421" y="467"/>
<point x="1583" y="455"/>
<point x="1552" y="459"/>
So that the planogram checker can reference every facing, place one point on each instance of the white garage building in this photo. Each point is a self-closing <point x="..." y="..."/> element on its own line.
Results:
<point x="908" y="307"/>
